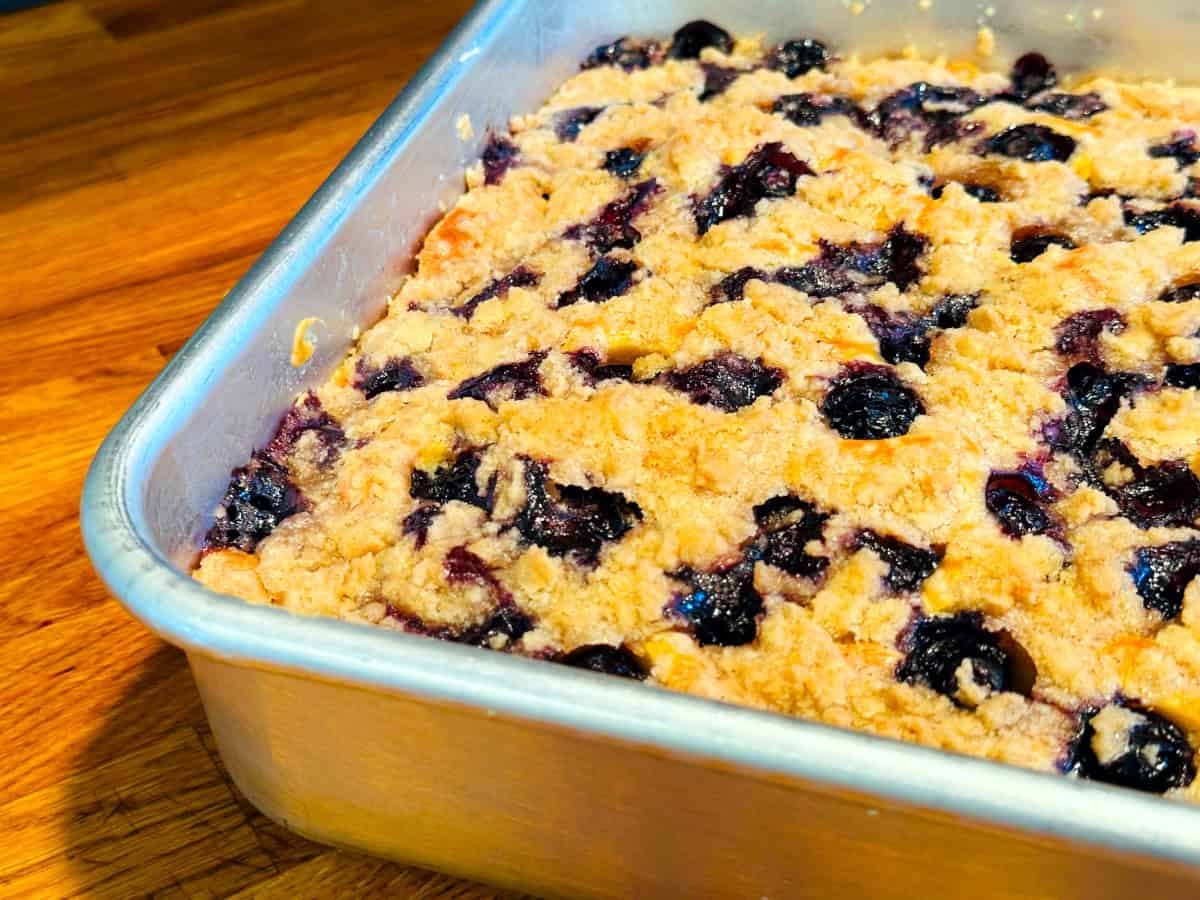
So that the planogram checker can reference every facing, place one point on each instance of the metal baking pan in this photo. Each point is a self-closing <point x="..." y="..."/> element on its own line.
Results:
<point x="537" y="776"/>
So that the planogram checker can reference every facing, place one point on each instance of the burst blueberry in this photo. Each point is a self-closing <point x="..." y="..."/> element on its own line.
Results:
<point x="260" y="495"/>
<point x="508" y="381"/>
<point x="722" y="606"/>
<point x="1018" y="500"/>
<point x="623" y="162"/>
<point x="1074" y="107"/>
<point x="396" y="374"/>
<point x="625" y="53"/>
<point x="770" y="171"/>
<point x="1181" y="148"/>
<point x="569" y="122"/>
<point x="1161" y="575"/>
<point x="1031" y="143"/>
<point x="908" y="565"/>
<point x="1031" y="74"/>
<point x="1132" y="747"/>
<point x="787" y="524"/>
<point x="938" y="650"/>
<point x="607" y="278"/>
<point x="612" y="227"/>
<point x="307" y="417"/>
<point x="1177" y="215"/>
<point x="607" y="660"/>
<point x="808" y="110"/>
<point x="456" y="480"/>
<point x="520" y="277"/>
<point x="1030" y="243"/>
<point x="1078" y="335"/>
<point x="699" y="35"/>
<point x="870" y="404"/>
<point x="727" y="381"/>
<point x="796" y="57"/>
<point x="1183" y="375"/>
<point x="588" y="363"/>
<point x="499" y="155"/>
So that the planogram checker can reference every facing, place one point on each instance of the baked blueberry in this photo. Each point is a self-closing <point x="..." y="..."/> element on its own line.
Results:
<point x="770" y="171"/>
<point x="593" y="370"/>
<point x="1018" y="500"/>
<point x="1161" y="575"/>
<point x="417" y="522"/>
<point x="945" y="652"/>
<point x="1032" y="143"/>
<point x="722" y="606"/>
<point x="870" y="403"/>
<point x="922" y="107"/>
<point x="607" y="278"/>
<point x="1181" y="148"/>
<point x="507" y="381"/>
<point x="727" y="381"/>
<point x="1183" y="375"/>
<point x="1030" y="243"/>
<point x="623" y="162"/>
<point x="307" y="416"/>
<point x="499" y="155"/>
<point x="1031" y="74"/>
<point x="908" y="566"/>
<point x="607" y="660"/>
<point x="1131" y="747"/>
<point x="717" y="80"/>
<point x="902" y="337"/>
<point x="1177" y="215"/>
<point x="980" y="192"/>
<point x="807" y="110"/>
<point x="565" y="519"/>
<point x="1167" y="494"/>
<point x="1094" y="396"/>
<point x="786" y="525"/>
<point x="625" y="53"/>
<point x="506" y="625"/>
<point x="1078" y="335"/>
<point x="952" y="310"/>
<point x="1181" y="293"/>
<point x="521" y="276"/>
<point x="733" y="286"/>
<point x="795" y="57"/>
<point x="845" y="268"/>
<point x="260" y="496"/>
<point x="569" y="122"/>
<point x="698" y="35"/>
<point x="396" y="374"/>
<point x="613" y="225"/>
<point x="457" y="480"/>
<point x="1069" y="106"/>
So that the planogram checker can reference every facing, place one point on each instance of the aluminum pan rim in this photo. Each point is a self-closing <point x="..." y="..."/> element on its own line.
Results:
<point x="189" y="615"/>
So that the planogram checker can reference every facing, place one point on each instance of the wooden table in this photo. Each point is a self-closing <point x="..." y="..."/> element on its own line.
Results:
<point x="149" y="151"/>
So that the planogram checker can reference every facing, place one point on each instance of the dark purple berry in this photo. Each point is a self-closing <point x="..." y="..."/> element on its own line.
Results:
<point x="307" y="416"/>
<point x="260" y="496"/>
<point x="952" y="310"/>
<point x="508" y="381"/>
<point x="499" y="155"/>
<point x="1181" y="148"/>
<point x="733" y="286"/>
<point x="1018" y="500"/>
<point x="588" y="363"/>
<point x="395" y="374"/>
<point x="1069" y="106"/>
<point x="843" y="268"/>
<point x="786" y="525"/>
<point x="625" y="53"/>
<point x="565" y="519"/>
<point x="1078" y="335"/>
<point x="908" y="566"/>
<point x="1183" y="375"/>
<point x="1094" y="396"/>
<point x="1166" y="495"/>
<point x="606" y="660"/>
<point x="696" y="36"/>
<point x="1181" y="293"/>
<point x="924" y="107"/>
<point x="722" y="606"/>
<point x="938" y="648"/>
<point x="727" y="382"/>
<point x="807" y="110"/>
<point x="980" y="192"/>
<point x="507" y="621"/>
<point x="1177" y="215"/>
<point x="1032" y="74"/>
<point x="462" y="566"/>
<point x="457" y="480"/>
<point x="717" y="80"/>
<point x="1030" y="243"/>
<point x="770" y="171"/>
<point x="521" y="277"/>
<point x="569" y="122"/>
<point x="1154" y="756"/>
<point x="1032" y="143"/>
<point x="613" y="225"/>
<point x="1161" y="575"/>
<point x="902" y="337"/>
<point x="870" y="404"/>
<point x="796" y="57"/>
<point x="418" y="521"/>
<point x="623" y="162"/>
<point x="606" y="279"/>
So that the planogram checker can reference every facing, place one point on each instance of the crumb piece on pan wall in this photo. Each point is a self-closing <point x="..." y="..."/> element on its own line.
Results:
<point x="464" y="128"/>
<point x="303" y="342"/>
<point x="985" y="42"/>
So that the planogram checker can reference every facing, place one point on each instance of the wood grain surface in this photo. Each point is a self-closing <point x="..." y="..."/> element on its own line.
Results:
<point x="149" y="151"/>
